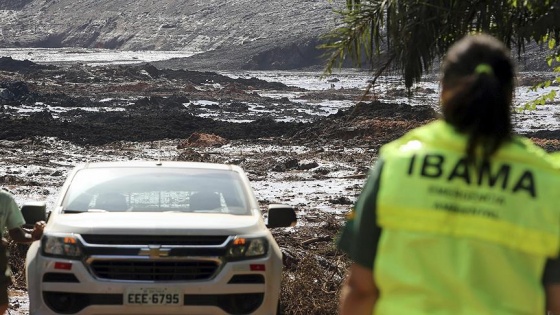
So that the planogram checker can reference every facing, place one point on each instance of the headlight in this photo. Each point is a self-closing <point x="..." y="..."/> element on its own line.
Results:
<point x="245" y="247"/>
<point x="64" y="246"/>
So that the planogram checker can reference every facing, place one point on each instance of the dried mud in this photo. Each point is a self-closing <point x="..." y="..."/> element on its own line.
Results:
<point x="152" y="112"/>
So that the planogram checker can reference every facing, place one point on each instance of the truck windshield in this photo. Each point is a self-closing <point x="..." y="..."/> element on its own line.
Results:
<point x="156" y="190"/>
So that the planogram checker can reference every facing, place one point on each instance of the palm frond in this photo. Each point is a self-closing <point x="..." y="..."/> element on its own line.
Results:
<point x="415" y="33"/>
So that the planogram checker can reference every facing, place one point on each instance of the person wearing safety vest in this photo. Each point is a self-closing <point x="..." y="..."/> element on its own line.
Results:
<point x="459" y="216"/>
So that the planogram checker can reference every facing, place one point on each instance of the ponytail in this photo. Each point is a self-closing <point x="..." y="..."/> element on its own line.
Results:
<point x="477" y="92"/>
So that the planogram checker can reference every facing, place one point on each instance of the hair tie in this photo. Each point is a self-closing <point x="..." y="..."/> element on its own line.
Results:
<point x="484" y="68"/>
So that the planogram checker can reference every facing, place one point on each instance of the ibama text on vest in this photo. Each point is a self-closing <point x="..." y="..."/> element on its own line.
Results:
<point x="490" y="174"/>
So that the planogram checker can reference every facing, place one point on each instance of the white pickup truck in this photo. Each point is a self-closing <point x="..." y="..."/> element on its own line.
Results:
<point x="150" y="237"/>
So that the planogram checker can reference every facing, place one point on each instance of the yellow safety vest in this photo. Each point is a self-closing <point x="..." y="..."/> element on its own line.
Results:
<point x="460" y="238"/>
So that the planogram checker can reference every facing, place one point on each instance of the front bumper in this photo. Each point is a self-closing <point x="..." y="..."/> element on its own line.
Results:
<point x="242" y="287"/>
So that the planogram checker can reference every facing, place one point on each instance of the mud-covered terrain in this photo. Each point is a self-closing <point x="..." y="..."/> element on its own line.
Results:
<point x="99" y="105"/>
<point x="52" y="118"/>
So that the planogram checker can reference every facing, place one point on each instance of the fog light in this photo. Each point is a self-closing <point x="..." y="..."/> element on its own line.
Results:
<point x="245" y="303"/>
<point x="65" y="302"/>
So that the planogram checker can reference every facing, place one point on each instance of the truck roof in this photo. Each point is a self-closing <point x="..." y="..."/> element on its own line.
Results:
<point x="159" y="164"/>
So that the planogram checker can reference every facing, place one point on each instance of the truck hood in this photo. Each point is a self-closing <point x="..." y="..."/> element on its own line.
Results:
<point x="150" y="223"/>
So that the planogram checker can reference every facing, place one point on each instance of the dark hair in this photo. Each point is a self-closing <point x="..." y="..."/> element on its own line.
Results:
<point x="477" y="91"/>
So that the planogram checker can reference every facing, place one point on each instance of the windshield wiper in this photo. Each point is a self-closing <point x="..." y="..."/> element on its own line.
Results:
<point x="83" y="211"/>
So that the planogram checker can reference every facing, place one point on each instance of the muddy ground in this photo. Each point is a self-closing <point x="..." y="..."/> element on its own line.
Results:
<point x="152" y="114"/>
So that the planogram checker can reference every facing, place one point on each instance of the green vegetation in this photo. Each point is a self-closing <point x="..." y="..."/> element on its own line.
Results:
<point x="554" y="62"/>
<point x="408" y="36"/>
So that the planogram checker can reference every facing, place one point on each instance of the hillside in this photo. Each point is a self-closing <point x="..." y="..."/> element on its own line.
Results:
<point x="221" y="26"/>
<point x="223" y="34"/>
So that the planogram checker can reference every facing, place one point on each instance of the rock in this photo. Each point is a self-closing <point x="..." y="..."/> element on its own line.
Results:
<point x="202" y="140"/>
<point x="341" y="201"/>
<point x="307" y="165"/>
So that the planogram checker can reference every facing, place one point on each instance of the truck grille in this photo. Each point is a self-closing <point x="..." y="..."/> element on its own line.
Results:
<point x="154" y="270"/>
<point x="186" y="240"/>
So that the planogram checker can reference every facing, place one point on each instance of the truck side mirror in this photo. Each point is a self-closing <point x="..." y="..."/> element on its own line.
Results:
<point x="34" y="212"/>
<point x="281" y="216"/>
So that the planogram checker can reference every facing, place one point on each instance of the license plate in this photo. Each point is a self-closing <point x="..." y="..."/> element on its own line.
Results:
<point x="153" y="296"/>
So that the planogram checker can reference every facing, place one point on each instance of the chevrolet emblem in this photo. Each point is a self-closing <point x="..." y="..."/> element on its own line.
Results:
<point x="154" y="251"/>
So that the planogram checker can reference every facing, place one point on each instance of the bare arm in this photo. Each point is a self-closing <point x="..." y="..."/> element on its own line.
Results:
<point x="21" y="235"/>
<point x="359" y="293"/>
<point x="553" y="299"/>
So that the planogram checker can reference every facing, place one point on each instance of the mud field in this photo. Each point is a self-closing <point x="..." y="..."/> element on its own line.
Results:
<point x="55" y="117"/>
